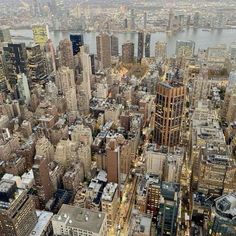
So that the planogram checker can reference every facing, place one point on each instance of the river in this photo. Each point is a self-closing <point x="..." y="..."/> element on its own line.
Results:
<point x="203" y="39"/>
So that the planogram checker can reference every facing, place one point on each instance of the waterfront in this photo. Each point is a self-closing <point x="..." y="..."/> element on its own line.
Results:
<point x="203" y="39"/>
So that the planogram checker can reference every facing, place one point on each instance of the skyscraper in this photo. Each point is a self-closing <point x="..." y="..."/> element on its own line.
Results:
<point x="40" y="34"/>
<point x="104" y="50"/>
<point x="169" y="206"/>
<point x="147" y="45"/>
<point x="170" y="20"/>
<point x="15" y="60"/>
<point x="169" y="112"/>
<point x="87" y="71"/>
<point x="140" y="45"/>
<point x="145" y="20"/>
<point x="23" y="88"/>
<point x="128" y="52"/>
<point x="196" y="19"/>
<point x="113" y="162"/>
<point x="36" y="62"/>
<point x="43" y="183"/>
<point x="66" y="53"/>
<point x="132" y="17"/>
<point x="77" y="41"/>
<point x="17" y="211"/>
<point x="114" y="46"/>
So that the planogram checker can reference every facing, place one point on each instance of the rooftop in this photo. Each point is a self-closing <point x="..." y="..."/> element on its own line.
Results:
<point x="109" y="191"/>
<point x="80" y="218"/>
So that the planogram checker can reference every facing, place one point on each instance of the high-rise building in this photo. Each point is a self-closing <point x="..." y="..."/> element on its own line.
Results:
<point x="17" y="211"/>
<point x="114" y="46"/>
<point x="43" y="183"/>
<point x="145" y="20"/>
<point x="40" y="34"/>
<point x="168" y="209"/>
<point x="169" y="111"/>
<point x="77" y="41"/>
<point x="66" y="83"/>
<point x="15" y="60"/>
<point x="196" y="19"/>
<point x="170" y="20"/>
<point x="132" y="17"/>
<point x="110" y="202"/>
<point x="161" y="50"/>
<point x="113" y="162"/>
<point x="50" y="56"/>
<point x="104" y="50"/>
<point x="140" y="45"/>
<point x="232" y="51"/>
<point x="66" y="53"/>
<point x="79" y="221"/>
<point x="86" y="71"/>
<point x="23" y="88"/>
<point x="3" y="81"/>
<point x="5" y="35"/>
<point x="147" y="45"/>
<point x="128" y="52"/>
<point x="184" y="48"/>
<point x="36" y="8"/>
<point x="36" y="62"/>
<point x="223" y="216"/>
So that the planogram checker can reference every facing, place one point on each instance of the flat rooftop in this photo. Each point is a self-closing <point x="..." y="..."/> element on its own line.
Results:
<point x="80" y="218"/>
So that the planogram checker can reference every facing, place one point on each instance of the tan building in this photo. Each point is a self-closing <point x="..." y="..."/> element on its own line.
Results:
<point x="110" y="203"/>
<point x="128" y="52"/>
<point x="104" y="50"/>
<point x="160" y="50"/>
<point x="169" y="111"/>
<point x="45" y="148"/>
<point x="66" y="53"/>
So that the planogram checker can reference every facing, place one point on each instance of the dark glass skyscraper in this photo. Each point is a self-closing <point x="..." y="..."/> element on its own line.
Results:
<point x="147" y="45"/>
<point x="140" y="45"/>
<point x="77" y="41"/>
<point x="15" y="61"/>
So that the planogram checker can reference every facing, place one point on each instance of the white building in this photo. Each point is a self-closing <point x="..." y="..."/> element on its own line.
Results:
<point x="72" y="220"/>
<point x="23" y="88"/>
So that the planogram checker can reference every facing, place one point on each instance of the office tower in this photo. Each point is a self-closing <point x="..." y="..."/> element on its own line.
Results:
<point x="170" y="20"/>
<point x="40" y="34"/>
<point x="77" y="41"/>
<point x="161" y="50"/>
<point x="113" y="162"/>
<point x="220" y="20"/>
<point x="140" y="46"/>
<point x="110" y="202"/>
<point x="153" y="196"/>
<point x="23" y="88"/>
<point x="217" y="55"/>
<point x="103" y="41"/>
<point x="36" y="8"/>
<point x="79" y="221"/>
<point x="5" y="35"/>
<point x="132" y="17"/>
<point x="66" y="54"/>
<point x="87" y="71"/>
<point x="43" y="183"/>
<point x="15" y="60"/>
<point x="196" y="19"/>
<point x="168" y="209"/>
<point x="50" y="56"/>
<point x="126" y="24"/>
<point x="66" y="84"/>
<point x="128" y="52"/>
<point x="184" y="48"/>
<point x="223" y="216"/>
<point x="37" y="69"/>
<point x="92" y="56"/>
<point x="169" y="111"/>
<point x="114" y="46"/>
<point x="145" y="20"/>
<point x="17" y="211"/>
<point x="147" y="45"/>
<point x="3" y="81"/>
<point x="188" y="21"/>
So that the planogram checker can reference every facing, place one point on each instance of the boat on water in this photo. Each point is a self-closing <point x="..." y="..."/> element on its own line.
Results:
<point x="207" y="30"/>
